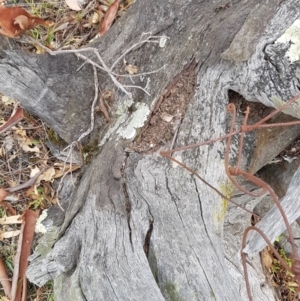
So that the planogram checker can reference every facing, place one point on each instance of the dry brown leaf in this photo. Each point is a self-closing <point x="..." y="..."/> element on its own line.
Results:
<point x="9" y="234"/>
<point x="16" y="20"/>
<point x="34" y="171"/>
<point x="28" y="146"/>
<point x="15" y="277"/>
<point x="3" y="194"/>
<point x="131" y="69"/>
<point x="109" y="17"/>
<point x="6" y="99"/>
<point x="9" y="220"/>
<point x="18" y="115"/>
<point x="105" y="2"/>
<point x="30" y="193"/>
<point x="7" y="206"/>
<point x="95" y="18"/>
<point x="61" y="170"/>
<point x="166" y="117"/>
<point x="47" y="175"/>
<point x="6" y="283"/>
<point x="30" y="218"/>
<point x="21" y="132"/>
<point x="266" y="258"/>
<point x="129" y="2"/>
<point x="103" y="108"/>
<point x="54" y="201"/>
<point x="22" y="21"/>
<point x="73" y="4"/>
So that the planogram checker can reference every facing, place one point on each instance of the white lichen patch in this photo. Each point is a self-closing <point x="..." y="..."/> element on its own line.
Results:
<point x="292" y="34"/>
<point x="124" y="106"/>
<point x="122" y="111"/>
<point x="136" y="121"/>
<point x="39" y="227"/>
<point x="111" y="130"/>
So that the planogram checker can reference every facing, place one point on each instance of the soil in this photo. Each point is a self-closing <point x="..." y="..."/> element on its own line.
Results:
<point x="257" y="109"/>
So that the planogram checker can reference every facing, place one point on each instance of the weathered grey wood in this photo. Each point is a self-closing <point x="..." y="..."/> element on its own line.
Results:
<point x="172" y="203"/>
<point x="235" y="222"/>
<point x="121" y="196"/>
<point x="101" y="250"/>
<point x="272" y="224"/>
<point x="50" y="87"/>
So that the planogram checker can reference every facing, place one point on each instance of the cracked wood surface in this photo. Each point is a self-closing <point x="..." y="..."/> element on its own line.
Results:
<point x="98" y="256"/>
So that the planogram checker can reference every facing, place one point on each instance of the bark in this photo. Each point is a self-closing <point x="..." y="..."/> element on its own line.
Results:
<point x="137" y="227"/>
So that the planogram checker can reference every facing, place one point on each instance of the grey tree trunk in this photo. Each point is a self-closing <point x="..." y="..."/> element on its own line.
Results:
<point x="137" y="227"/>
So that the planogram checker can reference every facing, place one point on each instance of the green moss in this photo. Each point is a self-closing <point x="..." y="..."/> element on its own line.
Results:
<point x="172" y="292"/>
<point x="89" y="150"/>
<point x="38" y="201"/>
<point x="46" y="243"/>
<point x="8" y="253"/>
<point x="227" y="188"/>
<point x="2" y="212"/>
<point x="54" y="138"/>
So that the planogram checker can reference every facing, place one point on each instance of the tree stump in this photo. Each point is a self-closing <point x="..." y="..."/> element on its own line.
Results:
<point x="136" y="226"/>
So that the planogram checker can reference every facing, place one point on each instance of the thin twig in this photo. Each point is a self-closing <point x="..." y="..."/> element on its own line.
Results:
<point x="102" y="66"/>
<point x="138" y="87"/>
<point x="96" y="85"/>
<point x="147" y="40"/>
<point x="29" y="183"/>
<point x="86" y="133"/>
<point x="165" y="154"/>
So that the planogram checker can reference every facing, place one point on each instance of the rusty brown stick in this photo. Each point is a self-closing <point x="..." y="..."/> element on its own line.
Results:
<point x="237" y="171"/>
<point x="208" y="184"/>
<point x="244" y="261"/>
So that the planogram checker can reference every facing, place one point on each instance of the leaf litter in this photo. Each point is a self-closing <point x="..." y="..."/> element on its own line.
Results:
<point x="65" y="24"/>
<point x="27" y="172"/>
<point x="167" y="115"/>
